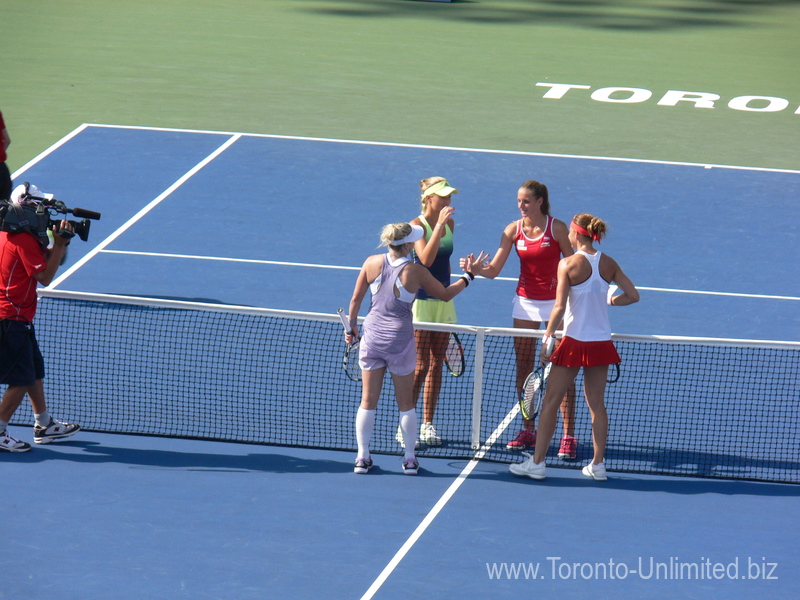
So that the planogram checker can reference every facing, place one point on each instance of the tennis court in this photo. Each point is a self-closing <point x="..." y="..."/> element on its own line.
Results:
<point x="242" y="210"/>
<point x="141" y="244"/>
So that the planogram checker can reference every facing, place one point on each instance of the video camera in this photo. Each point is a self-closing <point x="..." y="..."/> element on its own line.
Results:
<point x="31" y="210"/>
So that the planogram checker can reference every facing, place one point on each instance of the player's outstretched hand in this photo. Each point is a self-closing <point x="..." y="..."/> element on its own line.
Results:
<point x="474" y="264"/>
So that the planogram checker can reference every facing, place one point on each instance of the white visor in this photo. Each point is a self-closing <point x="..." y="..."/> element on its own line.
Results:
<point x="417" y="233"/>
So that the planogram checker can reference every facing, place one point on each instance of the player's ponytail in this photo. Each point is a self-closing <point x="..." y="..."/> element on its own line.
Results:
<point x="592" y="226"/>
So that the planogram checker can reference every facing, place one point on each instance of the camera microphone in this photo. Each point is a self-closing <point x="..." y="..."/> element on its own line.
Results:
<point x="83" y="213"/>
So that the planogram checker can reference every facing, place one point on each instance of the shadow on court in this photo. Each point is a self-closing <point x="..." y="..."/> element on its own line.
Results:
<point x="633" y="15"/>
<point x="88" y="452"/>
<point x="569" y="478"/>
<point x="94" y="452"/>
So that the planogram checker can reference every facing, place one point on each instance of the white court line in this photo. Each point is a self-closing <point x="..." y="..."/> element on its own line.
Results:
<point x="462" y="477"/>
<point x="699" y="292"/>
<point x="735" y="294"/>
<point x="336" y="267"/>
<point x="224" y="259"/>
<point x="142" y="212"/>
<point x="456" y="148"/>
<point x="51" y="149"/>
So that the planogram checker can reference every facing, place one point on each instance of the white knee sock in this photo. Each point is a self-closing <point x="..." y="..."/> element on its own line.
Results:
<point x="365" y="423"/>
<point x="408" y="423"/>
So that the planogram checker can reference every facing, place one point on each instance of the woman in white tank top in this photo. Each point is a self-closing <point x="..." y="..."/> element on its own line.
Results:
<point x="582" y="300"/>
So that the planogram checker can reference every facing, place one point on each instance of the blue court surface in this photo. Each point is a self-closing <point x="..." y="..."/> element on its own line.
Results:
<point x="145" y="517"/>
<point x="285" y="223"/>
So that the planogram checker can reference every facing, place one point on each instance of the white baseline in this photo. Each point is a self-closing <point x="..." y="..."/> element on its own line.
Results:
<point x="344" y="268"/>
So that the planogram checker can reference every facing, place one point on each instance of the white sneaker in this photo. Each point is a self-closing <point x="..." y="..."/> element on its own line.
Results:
<point x="8" y="443"/>
<point x="399" y="437"/>
<point x="529" y="468"/>
<point x="55" y="430"/>
<point x="428" y="435"/>
<point x="596" y="472"/>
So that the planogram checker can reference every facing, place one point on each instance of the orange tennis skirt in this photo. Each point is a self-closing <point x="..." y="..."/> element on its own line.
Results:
<point x="574" y="353"/>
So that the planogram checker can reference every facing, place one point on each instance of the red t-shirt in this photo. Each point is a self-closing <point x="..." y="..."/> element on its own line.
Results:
<point x="538" y="263"/>
<point x="21" y="257"/>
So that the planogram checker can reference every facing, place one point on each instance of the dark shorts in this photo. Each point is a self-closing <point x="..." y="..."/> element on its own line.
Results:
<point x="21" y="361"/>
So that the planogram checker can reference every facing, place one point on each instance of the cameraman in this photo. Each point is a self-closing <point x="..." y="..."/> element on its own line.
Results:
<point x="23" y="265"/>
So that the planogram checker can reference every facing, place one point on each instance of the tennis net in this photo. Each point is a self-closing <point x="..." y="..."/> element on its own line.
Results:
<point x="682" y="406"/>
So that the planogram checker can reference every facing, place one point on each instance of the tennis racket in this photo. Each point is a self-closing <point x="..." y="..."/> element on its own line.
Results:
<point x="454" y="356"/>
<point x="350" y="359"/>
<point x="530" y="402"/>
<point x="613" y="377"/>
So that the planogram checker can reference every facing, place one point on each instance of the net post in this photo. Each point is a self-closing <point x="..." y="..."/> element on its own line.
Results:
<point x="477" y="388"/>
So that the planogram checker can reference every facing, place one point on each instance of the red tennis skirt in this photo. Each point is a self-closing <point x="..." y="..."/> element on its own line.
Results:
<point x="574" y="353"/>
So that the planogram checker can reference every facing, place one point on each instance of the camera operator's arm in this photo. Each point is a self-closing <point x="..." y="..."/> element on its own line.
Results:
<point x="54" y="256"/>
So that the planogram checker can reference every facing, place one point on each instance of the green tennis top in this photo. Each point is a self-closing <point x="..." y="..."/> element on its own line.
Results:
<point x="440" y="268"/>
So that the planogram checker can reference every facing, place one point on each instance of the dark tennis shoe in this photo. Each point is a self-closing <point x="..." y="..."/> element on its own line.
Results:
<point x="362" y="466"/>
<point x="54" y="431"/>
<point x="410" y="467"/>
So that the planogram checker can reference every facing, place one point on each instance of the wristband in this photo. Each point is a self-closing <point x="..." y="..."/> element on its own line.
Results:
<point x="548" y="342"/>
<point x="470" y="275"/>
<point x="465" y="279"/>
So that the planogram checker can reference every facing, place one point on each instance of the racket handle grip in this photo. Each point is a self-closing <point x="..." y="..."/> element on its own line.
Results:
<point x="548" y="343"/>
<point x="347" y="328"/>
<point x="343" y="319"/>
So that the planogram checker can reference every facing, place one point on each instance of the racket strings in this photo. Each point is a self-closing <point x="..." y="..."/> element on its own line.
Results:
<point x="454" y="356"/>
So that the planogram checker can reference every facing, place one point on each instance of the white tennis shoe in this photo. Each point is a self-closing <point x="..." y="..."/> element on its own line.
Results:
<point x="596" y="472"/>
<point x="55" y="430"/>
<point x="429" y="436"/>
<point x="9" y="443"/>
<point x="529" y="468"/>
